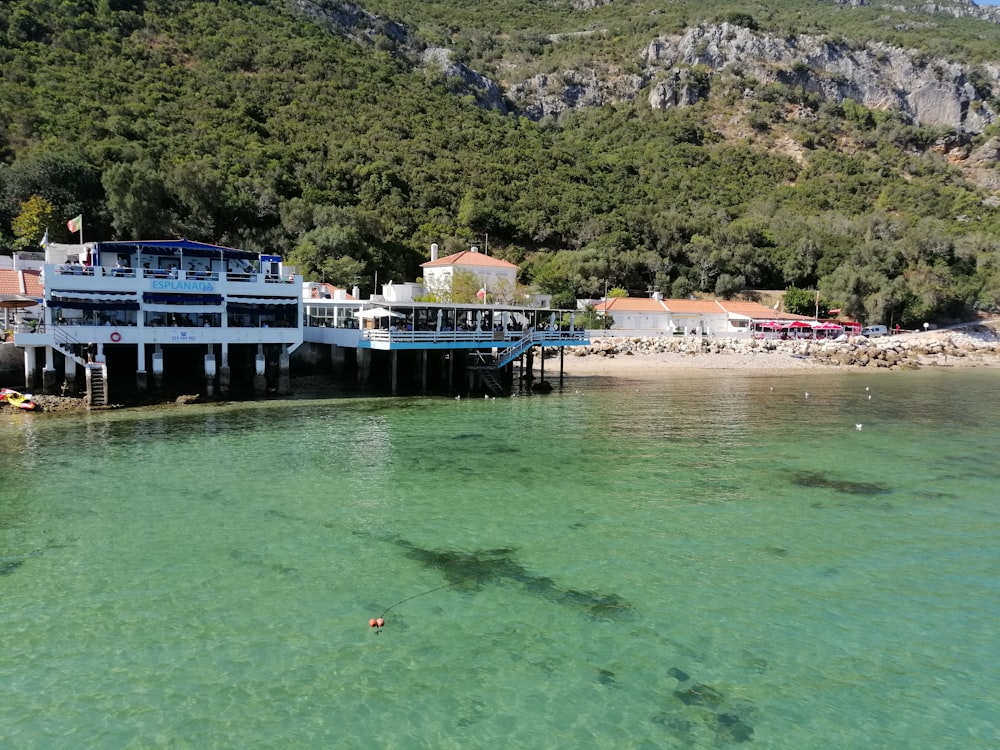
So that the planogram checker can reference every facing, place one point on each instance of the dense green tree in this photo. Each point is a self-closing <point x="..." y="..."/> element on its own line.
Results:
<point x="136" y="199"/>
<point x="32" y="224"/>
<point x="727" y="286"/>
<point x="249" y="123"/>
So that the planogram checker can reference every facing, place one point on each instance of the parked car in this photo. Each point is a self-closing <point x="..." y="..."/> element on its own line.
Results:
<point x="874" y="331"/>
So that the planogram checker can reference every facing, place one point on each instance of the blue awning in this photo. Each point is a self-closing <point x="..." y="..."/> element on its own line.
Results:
<point x="78" y="305"/>
<point x="187" y="248"/>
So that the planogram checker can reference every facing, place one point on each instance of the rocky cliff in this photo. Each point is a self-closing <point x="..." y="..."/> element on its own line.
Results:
<point x="678" y="70"/>
<point x="932" y="92"/>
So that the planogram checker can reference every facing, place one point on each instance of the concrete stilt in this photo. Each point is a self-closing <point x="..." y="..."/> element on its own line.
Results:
<point x="49" y="385"/>
<point x="210" y="373"/>
<point x="423" y="371"/>
<point x="30" y="372"/>
<point x="259" y="374"/>
<point x="69" y="371"/>
<point x="337" y="359"/>
<point x="394" y="361"/>
<point x="284" y="377"/>
<point x="158" y="369"/>
<point x="364" y="360"/>
<point x="225" y="374"/>
<point x="141" y="379"/>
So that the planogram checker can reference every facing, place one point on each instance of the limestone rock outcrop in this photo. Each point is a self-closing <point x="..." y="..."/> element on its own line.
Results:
<point x="486" y="92"/>
<point x="933" y="92"/>
<point x="677" y="70"/>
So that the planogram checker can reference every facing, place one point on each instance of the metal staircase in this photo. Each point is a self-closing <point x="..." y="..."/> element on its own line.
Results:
<point x="97" y="385"/>
<point x="483" y="364"/>
<point x="516" y="349"/>
<point x="489" y="367"/>
<point x="491" y="381"/>
<point x="96" y="372"/>
<point x="68" y="345"/>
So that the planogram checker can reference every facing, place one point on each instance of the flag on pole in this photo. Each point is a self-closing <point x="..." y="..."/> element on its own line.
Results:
<point x="45" y="239"/>
<point x="75" y="224"/>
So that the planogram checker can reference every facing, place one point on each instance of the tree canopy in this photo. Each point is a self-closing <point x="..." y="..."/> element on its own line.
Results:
<point x="247" y="123"/>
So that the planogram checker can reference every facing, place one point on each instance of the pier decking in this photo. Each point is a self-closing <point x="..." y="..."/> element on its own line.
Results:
<point x="141" y="316"/>
<point x="487" y="339"/>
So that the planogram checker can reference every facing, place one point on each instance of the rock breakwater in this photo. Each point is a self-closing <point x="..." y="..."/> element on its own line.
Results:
<point x="971" y="346"/>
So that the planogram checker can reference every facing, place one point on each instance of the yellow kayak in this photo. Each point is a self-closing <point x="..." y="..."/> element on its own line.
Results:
<point x="20" y="400"/>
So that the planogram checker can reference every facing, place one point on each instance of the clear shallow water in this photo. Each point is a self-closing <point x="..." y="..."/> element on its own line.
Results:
<point x="203" y="577"/>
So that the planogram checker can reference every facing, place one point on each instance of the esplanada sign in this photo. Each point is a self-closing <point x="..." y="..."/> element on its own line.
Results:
<point x="176" y="285"/>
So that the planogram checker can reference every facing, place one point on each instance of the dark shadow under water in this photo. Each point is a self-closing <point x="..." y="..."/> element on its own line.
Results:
<point x="497" y="566"/>
<point x="820" y="480"/>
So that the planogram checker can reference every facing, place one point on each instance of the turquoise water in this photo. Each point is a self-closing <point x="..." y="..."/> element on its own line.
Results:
<point x="706" y="561"/>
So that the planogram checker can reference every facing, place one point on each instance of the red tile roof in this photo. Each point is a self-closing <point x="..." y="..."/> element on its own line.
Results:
<point x="631" y="304"/>
<point x="9" y="282"/>
<point x="752" y="310"/>
<point x="696" y="306"/>
<point x="33" y="286"/>
<point x="468" y="258"/>
<point x="757" y="311"/>
<point x="28" y="283"/>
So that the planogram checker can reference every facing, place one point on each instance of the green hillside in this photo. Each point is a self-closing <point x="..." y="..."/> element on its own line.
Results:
<point x="247" y="122"/>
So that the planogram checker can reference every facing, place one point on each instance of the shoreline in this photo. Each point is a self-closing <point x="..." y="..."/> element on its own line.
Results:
<point x="719" y="365"/>
<point x="964" y="347"/>
<point x="652" y="365"/>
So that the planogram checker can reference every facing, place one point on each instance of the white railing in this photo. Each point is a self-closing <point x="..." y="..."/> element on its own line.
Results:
<point x="493" y="339"/>
<point x="80" y="276"/>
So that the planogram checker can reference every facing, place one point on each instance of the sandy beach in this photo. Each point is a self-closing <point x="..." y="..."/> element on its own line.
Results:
<point x="654" y="365"/>
<point x="968" y="346"/>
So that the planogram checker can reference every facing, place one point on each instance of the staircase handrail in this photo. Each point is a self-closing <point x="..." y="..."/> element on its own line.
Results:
<point x="515" y="350"/>
<point x="67" y="343"/>
<point x="528" y="340"/>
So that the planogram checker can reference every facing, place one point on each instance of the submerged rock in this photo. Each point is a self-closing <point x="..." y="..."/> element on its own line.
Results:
<point x="699" y="695"/>
<point x="732" y="728"/>
<point x="824" y="481"/>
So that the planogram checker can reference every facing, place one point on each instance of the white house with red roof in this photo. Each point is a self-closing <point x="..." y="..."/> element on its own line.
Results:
<point x="695" y="316"/>
<point x="496" y="276"/>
